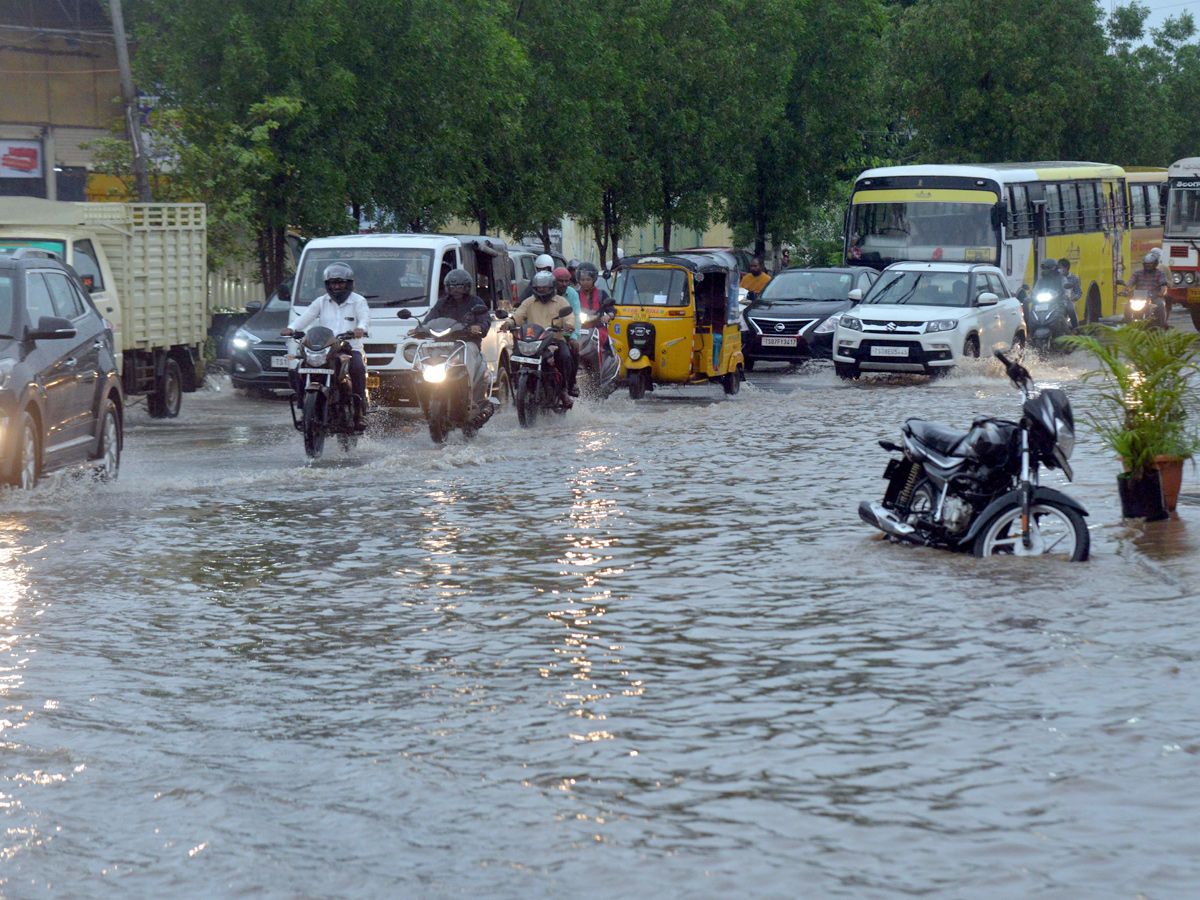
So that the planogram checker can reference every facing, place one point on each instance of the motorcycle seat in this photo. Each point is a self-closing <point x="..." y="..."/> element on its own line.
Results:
<point x="938" y="438"/>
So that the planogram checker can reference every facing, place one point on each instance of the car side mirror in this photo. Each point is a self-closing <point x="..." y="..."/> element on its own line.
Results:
<point x="285" y="292"/>
<point x="987" y="298"/>
<point x="404" y="314"/>
<point x="855" y="295"/>
<point x="51" y="328"/>
<point x="254" y="306"/>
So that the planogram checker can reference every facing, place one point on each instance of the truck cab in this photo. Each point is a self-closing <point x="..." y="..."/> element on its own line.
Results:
<point x="397" y="272"/>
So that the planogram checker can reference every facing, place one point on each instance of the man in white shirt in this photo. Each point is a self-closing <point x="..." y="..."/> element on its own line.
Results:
<point x="341" y="310"/>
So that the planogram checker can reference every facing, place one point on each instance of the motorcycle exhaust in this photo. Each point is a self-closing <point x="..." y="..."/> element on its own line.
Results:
<point x="875" y="515"/>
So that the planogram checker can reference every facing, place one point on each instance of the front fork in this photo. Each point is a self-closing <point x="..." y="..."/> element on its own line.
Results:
<point x="1026" y="490"/>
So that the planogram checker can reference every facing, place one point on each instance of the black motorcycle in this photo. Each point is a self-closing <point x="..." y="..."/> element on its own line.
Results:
<point x="538" y="383"/>
<point x="328" y="403"/>
<point x="978" y="490"/>
<point x="1047" y="317"/>
<point x="1141" y="307"/>
<point x="443" y="381"/>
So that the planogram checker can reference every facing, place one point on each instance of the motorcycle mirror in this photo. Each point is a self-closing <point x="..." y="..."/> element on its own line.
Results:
<point x="501" y="314"/>
<point x="479" y="308"/>
<point x="565" y="311"/>
<point x="404" y="314"/>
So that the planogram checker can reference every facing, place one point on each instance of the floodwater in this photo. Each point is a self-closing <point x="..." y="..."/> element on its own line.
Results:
<point x="645" y="650"/>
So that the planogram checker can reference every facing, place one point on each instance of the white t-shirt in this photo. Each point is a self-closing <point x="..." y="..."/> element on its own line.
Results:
<point x="337" y="317"/>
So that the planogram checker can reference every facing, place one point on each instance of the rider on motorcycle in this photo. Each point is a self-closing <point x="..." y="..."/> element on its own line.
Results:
<point x="592" y="298"/>
<point x="340" y="310"/>
<point x="1051" y="280"/>
<point x="543" y="263"/>
<point x="542" y="309"/>
<point x="1149" y="278"/>
<point x="460" y="304"/>
<point x="562" y="277"/>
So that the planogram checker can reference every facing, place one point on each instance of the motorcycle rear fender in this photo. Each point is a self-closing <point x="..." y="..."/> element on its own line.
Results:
<point x="643" y="363"/>
<point x="1014" y="497"/>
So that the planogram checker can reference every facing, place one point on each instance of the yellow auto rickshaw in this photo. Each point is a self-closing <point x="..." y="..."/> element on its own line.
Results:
<point x="677" y="320"/>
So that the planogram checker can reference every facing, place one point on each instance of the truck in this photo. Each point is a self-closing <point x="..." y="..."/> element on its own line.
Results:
<point x="146" y="268"/>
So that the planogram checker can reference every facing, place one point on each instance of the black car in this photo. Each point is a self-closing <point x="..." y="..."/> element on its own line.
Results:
<point x="791" y="320"/>
<point x="60" y="395"/>
<point x="258" y="356"/>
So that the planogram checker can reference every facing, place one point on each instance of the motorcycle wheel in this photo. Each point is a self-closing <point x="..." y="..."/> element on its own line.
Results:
<point x="314" y="424"/>
<point x="1058" y="531"/>
<point x="527" y="408"/>
<point x="637" y="384"/>
<point x="439" y="420"/>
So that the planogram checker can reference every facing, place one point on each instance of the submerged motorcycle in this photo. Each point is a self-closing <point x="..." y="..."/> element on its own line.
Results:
<point x="599" y="364"/>
<point x="444" y="381"/>
<point x="328" y="404"/>
<point x="538" y="384"/>
<point x="978" y="490"/>
<point x="1047" y="317"/>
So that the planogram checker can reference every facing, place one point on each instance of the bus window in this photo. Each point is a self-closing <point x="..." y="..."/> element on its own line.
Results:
<point x="1018" y="207"/>
<point x="1070" y="202"/>
<point x="1089" y="201"/>
<point x="1054" y="210"/>
<point x="1153" y="206"/>
<point x="1141" y="215"/>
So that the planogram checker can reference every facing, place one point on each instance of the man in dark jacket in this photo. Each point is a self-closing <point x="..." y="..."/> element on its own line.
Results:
<point x="463" y="306"/>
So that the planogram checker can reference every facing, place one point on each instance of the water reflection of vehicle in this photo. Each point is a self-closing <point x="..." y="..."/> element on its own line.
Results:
<point x="977" y="490"/>
<point x="795" y="316"/>
<point x="677" y="321"/>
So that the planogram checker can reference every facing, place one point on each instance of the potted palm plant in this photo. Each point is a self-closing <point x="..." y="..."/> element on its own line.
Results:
<point x="1142" y="416"/>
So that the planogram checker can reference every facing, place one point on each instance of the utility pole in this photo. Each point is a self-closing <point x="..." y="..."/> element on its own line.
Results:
<point x="133" y="116"/>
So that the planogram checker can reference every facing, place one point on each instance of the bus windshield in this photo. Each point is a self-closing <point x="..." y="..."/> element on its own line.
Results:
<point x="1183" y="213"/>
<point x="884" y="233"/>
<point x="385" y="276"/>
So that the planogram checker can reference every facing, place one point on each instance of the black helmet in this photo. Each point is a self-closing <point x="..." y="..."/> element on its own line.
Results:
<point x="339" y="272"/>
<point x="588" y="268"/>
<point x="1049" y="267"/>
<point x="544" y="286"/>
<point x="458" y="278"/>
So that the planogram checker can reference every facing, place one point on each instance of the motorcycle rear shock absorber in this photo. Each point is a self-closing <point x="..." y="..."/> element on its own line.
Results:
<point x="914" y="475"/>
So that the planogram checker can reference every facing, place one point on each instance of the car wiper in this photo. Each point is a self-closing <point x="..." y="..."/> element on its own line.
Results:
<point x="404" y="301"/>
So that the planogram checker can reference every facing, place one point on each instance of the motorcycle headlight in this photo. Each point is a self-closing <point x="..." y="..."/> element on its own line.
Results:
<point x="1177" y="277"/>
<point x="851" y="323"/>
<point x="1044" y="297"/>
<point x="827" y="326"/>
<point x="941" y="325"/>
<point x="1137" y="304"/>
<point x="316" y="358"/>
<point x="528" y="348"/>
<point x="243" y="339"/>
<point x="435" y="373"/>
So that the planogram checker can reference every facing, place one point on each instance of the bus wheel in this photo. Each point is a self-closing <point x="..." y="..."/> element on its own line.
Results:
<point x="1091" y="311"/>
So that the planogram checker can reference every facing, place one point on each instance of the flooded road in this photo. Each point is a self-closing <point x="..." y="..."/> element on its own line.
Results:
<point x="647" y="650"/>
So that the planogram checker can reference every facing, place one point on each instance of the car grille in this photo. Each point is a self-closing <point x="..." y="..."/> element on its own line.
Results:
<point x="263" y="356"/>
<point x="379" y="354"/>
<point x="891" y="327"/>
<point x="790" y="326"/>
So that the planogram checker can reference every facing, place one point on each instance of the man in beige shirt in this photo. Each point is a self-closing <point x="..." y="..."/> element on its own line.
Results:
<point x="543" y="309"/>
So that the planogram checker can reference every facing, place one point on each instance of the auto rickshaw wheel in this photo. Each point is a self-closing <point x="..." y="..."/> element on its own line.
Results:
<point x="732" y="381"/>
<point x="637" y="383"/>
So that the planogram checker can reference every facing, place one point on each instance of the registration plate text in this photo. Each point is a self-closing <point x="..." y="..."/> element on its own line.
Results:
<point x="528" y="360"/>
<point x="889" y="351"/>
<point x="279" y="362"/>
<point x="778" y="341"/>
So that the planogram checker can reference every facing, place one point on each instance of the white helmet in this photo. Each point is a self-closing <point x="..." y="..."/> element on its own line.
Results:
<point x="544" y="261"/>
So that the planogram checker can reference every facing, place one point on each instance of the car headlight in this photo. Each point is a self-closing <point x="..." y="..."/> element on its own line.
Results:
<point x="1044" y="297"/>
<point x="1190" y="277"/>
<point x="243" y="339"/>
<point x="827" y="326"/>
<point x="850" y="323"/>
<point x="435" y="373"/>
<point x="1177" y="277"/>
<point x="941" y="325"/>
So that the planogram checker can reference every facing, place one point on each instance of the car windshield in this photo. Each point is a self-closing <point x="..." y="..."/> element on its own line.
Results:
<point x="651" y="287"/>
<point x="796" y="284"/>
<point x="1183" y="212"/>
<point x="884" y="233"/>
<point x="386" y="276"/>
<point x="920" y="289"/>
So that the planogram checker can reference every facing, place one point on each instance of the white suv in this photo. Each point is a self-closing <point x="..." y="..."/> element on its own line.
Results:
<point x="926" y="317"/>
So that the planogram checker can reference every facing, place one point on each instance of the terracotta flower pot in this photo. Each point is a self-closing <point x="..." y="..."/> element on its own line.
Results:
<point x="1170" y="469"/>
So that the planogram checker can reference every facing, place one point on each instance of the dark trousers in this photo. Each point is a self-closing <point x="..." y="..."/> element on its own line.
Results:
<point x="358" y="379"/>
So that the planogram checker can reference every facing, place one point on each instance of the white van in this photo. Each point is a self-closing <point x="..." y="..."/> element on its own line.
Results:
<point x="395" y="272"/>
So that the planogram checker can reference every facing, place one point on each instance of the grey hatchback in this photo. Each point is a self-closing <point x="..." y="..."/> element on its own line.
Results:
<point x="60" y="395"/>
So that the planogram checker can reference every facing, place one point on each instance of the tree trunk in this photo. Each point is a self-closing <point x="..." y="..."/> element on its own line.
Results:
<point x="544" y="234"/>
<point x="667" y="225"/>
<point x="272" y="246"/>
<point x="483" y="224"/>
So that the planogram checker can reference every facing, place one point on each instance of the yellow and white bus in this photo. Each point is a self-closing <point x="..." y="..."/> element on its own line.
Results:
<point x="1012" y="215"/>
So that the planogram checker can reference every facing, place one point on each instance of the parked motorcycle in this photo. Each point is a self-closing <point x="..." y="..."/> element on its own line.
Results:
<point x="978" y="490"/>
<point x="1140" y="307"/>
<point x="328" y="404"/>
<point x="538" y="384"/>
<point x="599" y="364"/>
<point x="443" y="379"/>
<point x="1047" y="319"/>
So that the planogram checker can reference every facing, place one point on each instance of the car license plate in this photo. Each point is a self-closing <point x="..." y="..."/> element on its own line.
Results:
<point x="372" y="381"/>
<point x="279" y="362"/>
<point x="889" y="351"/>
<point x="1193" y="295"/>
<point x="778" y="341"/>
<point x="527" y="360"/>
